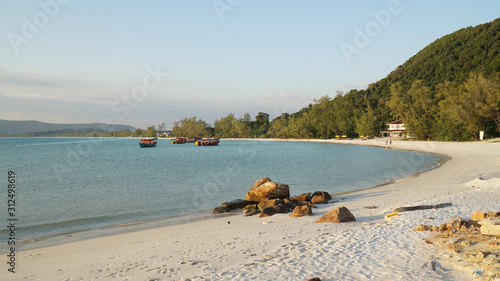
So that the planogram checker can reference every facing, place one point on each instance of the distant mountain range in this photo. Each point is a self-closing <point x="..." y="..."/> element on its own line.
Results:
<point x="8" y="127"/>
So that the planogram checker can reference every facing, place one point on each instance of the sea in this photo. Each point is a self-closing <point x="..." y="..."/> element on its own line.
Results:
<point x="65" y="189"/>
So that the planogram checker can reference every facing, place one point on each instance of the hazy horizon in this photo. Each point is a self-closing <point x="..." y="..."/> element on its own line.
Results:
<point x="142" y="64"/>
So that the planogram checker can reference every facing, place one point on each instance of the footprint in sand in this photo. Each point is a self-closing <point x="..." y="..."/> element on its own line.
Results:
<point x="34" y="255"/>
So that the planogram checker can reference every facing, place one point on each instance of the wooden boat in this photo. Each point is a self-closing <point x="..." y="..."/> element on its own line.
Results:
<point x="151" y="142"/>
<point x="192" y="140"/>
<point x="207" y="142"/>
<point x="178" y="141"/>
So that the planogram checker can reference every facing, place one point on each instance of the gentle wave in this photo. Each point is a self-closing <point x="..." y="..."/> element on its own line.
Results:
<point x="119" y="184"/>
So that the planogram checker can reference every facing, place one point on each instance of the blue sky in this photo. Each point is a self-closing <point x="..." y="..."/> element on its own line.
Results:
<point x="142" y="63"/>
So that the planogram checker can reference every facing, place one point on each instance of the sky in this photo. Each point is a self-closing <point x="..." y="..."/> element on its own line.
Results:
<point x="144" y="63"/>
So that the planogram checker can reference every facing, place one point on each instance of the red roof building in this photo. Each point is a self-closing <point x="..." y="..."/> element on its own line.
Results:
<point x="395" y="129"/>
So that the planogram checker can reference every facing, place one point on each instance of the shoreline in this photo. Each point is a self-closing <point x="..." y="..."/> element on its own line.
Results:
<point x="137" y="226"/>
<point x="246" y="248"/>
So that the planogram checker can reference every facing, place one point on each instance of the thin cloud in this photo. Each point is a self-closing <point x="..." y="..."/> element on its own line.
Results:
<point x="33" y="79"/>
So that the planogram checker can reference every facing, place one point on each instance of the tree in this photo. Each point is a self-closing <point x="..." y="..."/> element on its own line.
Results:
<point x="137" y="133"/>
<point x="322" y="113"/>
<point x="343" y="116"/>
<point x="241" y="128"/>
<point x="247" y="118"/>
<point x="278" y="127"/>
<point x="472" y="105"/>
<point x="417" y="107"/>
<point x="191" y="127"/>
<point x="150" y="132"/>
<point x="485" y="92"/>
<point x="162" y="128"/>
<point x="366" y="125"/>
<point x="224" y="127"/>
<point x="261" y="124"/>
<point x="300" y="127"/>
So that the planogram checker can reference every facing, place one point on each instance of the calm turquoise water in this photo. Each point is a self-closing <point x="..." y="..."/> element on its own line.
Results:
<point x="69" y="185"/>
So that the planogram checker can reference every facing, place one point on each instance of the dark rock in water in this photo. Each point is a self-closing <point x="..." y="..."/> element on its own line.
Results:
<point x="302" y="198"/>
<point x="265" y="188"/>
<point x="320" y="197"/>
<point x="341" y="214"/>
<point x="237" y="204"/>
<point x="220" y="210"/>
<point x="301" y="211"/>
<point x="314" y="279"/>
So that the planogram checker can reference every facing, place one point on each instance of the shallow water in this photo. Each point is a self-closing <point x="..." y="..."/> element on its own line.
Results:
<point x="70" y="185"/>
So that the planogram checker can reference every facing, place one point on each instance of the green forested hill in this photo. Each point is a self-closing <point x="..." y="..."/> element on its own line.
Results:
<point x="450" y="90"/>
<point x="450" y="58"/>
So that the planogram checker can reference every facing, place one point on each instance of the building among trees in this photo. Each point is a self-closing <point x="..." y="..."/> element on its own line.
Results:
<point x="395" y="129"/>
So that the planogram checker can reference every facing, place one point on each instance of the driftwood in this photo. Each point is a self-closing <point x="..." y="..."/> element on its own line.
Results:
<point x="421" y="207"/>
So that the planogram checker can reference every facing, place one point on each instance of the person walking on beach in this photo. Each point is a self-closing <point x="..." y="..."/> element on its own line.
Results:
<point x="386" y="144"/>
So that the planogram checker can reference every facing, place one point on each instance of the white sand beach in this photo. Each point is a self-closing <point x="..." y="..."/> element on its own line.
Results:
<point x="284" y="248"/>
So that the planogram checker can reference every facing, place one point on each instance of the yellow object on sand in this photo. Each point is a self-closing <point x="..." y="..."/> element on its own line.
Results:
<point x="388" y="215"/>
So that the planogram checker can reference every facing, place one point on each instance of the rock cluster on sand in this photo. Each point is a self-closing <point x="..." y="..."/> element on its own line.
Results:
<point x="474" y="242"/>
<point x="457" y="223"/>
<point x="267" y="198"/>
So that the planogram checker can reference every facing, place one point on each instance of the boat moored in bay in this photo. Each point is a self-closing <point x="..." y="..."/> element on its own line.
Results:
<point x="207" y="142"/>
<point x="150" y="142"/>
<point x="178" y="141"/>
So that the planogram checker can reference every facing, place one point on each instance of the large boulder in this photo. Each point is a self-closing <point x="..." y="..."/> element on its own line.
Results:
<point x="302" y="197"/>
<point x="265" y="188"/>
<point x="320" y="197"/>
<point x="477" y="216"/>
<point x="300" y="211"/>
<point x="340" y="214"/>
<point x="490" y="227"/>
